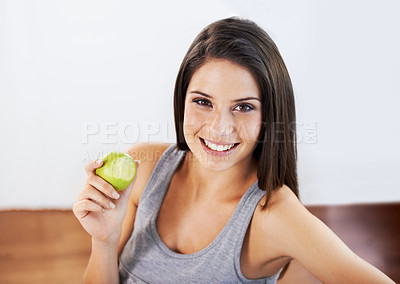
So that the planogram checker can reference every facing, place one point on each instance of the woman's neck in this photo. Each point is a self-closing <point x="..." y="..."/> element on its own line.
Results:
<point x="206" y="184"/>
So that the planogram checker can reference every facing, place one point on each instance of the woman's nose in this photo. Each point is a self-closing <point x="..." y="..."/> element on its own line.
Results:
<point x="222" y="125"/>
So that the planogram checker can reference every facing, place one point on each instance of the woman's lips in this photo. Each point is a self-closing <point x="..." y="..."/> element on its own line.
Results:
<point x="215" y="152"/>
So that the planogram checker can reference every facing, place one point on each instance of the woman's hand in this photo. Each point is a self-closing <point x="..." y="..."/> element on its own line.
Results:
<point x="100" y="208"/>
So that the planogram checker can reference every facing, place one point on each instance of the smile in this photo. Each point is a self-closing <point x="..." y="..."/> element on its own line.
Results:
<point x="213" y="148"/>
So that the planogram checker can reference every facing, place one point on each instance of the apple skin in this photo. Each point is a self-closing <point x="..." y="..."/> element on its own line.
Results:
<point x="119" y="169"/>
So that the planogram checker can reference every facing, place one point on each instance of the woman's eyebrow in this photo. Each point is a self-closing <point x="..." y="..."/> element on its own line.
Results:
<point x="238" y="100"/>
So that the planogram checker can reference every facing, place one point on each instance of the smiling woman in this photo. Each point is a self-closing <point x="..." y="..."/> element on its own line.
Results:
<point x="227" y="123"/>
<point x="256" y="70"/>
<point x="221" y="205"/>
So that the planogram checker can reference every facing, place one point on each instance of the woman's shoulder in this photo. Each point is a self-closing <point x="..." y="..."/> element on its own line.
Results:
<point x="276" y="221"/>
<point x="266" y="234"/>
<point x="284" y="208"/>
<point x="281" y="200"/>
<point x="148" y="154"/>
<point x="287" y="230"/>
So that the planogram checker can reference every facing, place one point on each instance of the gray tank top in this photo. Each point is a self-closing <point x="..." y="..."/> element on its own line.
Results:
<point x="146" y="259"/>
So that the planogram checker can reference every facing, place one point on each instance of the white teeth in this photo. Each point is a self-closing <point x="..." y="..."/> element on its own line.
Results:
<point x="218" y="148"/>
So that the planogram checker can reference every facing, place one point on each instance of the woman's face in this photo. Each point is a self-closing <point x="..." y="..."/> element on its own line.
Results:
<point x="222" y="116"/>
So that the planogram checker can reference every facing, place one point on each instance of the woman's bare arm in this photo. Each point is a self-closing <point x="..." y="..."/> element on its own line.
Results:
<point x="103" y="261"/>
<point x="307" y="239"/>
<point x="101" y="210"/>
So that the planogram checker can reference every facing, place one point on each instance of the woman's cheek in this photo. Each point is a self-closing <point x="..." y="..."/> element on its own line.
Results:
<point x="250" y="128"/>
<point x="194" y="116"/>
<point x="256" y="127"/>
<point x="193" y="121"/>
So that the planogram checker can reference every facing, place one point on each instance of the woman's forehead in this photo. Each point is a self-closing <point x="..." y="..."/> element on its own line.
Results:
<point x="217" y="77"/>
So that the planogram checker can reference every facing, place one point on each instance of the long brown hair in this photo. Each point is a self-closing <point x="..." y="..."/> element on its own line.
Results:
<point x="243" y="42"/>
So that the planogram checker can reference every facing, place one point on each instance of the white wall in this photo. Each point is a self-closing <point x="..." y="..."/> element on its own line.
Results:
<point x="69" y="68"/>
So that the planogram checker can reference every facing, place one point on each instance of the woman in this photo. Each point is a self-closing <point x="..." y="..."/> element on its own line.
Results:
<point x="221" y="205"/>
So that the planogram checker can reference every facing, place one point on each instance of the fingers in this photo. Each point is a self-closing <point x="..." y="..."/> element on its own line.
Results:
<point x="98" y="193"/>
<point x="91" y="167"/>
<point x="103" y="186"/>
<point x="83" y="207"/>
<point x="95" y="195"/>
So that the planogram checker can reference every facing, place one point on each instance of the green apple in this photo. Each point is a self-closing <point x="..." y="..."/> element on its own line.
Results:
<point x="119" y="169"/>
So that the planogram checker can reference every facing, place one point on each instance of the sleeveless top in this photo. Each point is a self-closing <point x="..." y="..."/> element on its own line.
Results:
<point x="146" y="259"/>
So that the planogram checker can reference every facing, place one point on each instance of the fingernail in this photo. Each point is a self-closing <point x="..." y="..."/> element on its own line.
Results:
<point x="115" y="195"/>
<point x="99" y="162"/>
<point x="112" y="205"/>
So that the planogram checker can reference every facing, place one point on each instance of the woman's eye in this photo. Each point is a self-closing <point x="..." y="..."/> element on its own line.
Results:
<point x="202" y="102"/>
<point x="244" y="107"/>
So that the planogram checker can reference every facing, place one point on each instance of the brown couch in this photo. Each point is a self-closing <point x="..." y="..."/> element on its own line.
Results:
<point x="50" y="246"/>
